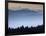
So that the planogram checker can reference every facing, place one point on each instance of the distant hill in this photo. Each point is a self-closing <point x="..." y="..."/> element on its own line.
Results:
<point x="25" y="11"/>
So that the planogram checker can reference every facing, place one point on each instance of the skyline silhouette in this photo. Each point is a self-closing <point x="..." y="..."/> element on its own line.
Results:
<point x="21" y="30"/>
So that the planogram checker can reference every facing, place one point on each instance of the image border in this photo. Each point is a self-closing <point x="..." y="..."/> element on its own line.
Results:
<point x="6" y="14"/>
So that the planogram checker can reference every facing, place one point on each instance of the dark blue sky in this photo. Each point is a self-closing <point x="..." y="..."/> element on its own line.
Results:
<point x="25" y="17"/>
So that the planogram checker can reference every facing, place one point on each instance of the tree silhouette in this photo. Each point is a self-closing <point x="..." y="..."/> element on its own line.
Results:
<point x="22" y="29"/>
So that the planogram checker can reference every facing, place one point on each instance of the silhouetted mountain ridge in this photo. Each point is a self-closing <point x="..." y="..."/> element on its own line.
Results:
<point x="23" y="10"/>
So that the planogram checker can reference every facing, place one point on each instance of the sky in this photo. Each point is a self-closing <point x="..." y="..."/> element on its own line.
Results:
<point x="25" y="16"/>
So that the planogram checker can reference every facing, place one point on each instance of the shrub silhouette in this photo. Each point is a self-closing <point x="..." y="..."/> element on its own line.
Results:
<point x="38" y="29"/>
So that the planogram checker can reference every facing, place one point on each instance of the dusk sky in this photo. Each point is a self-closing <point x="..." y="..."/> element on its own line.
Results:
<point x="25" y="16"/>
